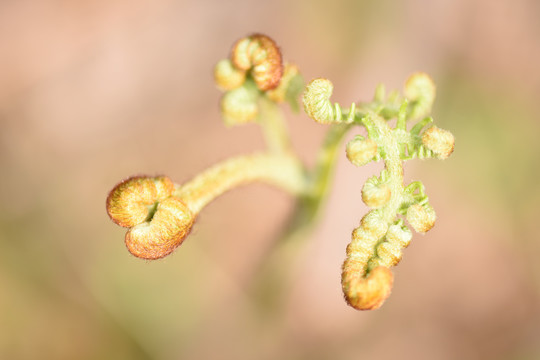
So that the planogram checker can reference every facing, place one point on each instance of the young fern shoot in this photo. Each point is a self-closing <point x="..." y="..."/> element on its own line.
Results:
<point x="159" y="214"/>
<point x="378" y="241"/>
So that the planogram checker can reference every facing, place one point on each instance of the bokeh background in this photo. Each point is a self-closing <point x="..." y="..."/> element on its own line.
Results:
<point x="94" y="91"/>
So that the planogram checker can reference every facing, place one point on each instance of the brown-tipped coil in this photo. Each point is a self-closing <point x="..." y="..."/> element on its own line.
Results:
<point x="365" y="293"/>
<point x="260" y="54"/>
<point x="158" y="237"/>
<point x="129" y="203"/>
<point x="365" y="290"/>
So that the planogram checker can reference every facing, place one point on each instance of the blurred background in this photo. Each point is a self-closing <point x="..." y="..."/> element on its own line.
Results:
<point x="92" y="92"/>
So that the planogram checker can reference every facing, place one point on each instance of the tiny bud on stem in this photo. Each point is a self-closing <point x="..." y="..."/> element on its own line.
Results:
<point x="421" y="217"/>
<point x="375" y="194"/>
<point x="440" y="141"/>
<point x="227" y="77"/>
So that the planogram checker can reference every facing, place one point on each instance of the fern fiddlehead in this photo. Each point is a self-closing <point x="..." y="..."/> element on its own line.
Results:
<point x="378" y="242"/>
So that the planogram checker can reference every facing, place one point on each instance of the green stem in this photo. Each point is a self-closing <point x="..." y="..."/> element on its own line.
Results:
<point x="273" y="125"/>
<point x="269" y="281"/>
<point x="393" y="165"/>
<point x="394" y="169"/>
<point x="308" y="206"/>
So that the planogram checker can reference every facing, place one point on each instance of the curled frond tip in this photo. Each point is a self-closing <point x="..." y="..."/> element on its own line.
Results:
<point x="158" y="221"/>
<point x="260" y="54"/>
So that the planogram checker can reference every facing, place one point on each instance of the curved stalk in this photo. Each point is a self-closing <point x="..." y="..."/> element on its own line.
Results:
<point x="282" y="170"/>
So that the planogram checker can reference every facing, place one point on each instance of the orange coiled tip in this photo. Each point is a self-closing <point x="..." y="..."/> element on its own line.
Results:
<point x="261" y="54"/>
<point x="159" y="237"/>
<point x="366" y="289"/>
<point x="366" y="293"/>
<point x="158" y="221"/>
<point x="129" y="202"/>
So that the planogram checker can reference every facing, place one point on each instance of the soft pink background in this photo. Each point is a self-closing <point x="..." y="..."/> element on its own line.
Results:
<point x="94" y="91"/>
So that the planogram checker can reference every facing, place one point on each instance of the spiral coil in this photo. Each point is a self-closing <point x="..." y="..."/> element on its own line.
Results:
<point x="318" y="107"/>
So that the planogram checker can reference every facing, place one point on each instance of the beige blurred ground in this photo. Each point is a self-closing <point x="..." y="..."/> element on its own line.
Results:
<point x="94" y="91"/>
